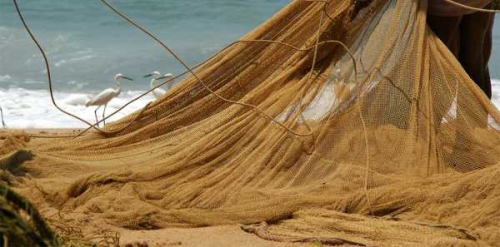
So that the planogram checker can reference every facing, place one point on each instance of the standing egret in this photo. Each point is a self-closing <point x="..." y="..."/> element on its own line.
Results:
<point x="105" y="96"/>
<point x="170" y="78"/>
<point x="1" y="113"/>
<point x="158" y="92"/>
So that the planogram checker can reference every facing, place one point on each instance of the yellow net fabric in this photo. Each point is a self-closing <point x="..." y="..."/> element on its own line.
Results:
<point x="294" y="133"/>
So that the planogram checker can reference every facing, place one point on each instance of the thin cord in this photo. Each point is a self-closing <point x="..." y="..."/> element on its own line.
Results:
<point x="363" y="122"/>
<point x="108" y="133"/>
<point x="202" y="63"/>
<point x="367" y="151"/>
<point x="208" y="88"/>
<point x="460" y="5"/>
<point x="190" y="70"/>
<point x="195" y="75"/>
<point x="310" y="76"/>
<point x="49" y="76"/>
<point x="1" y="113"/>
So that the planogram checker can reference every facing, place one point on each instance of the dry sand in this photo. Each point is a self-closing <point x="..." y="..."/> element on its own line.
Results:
<point x="453" y="200"/>
<point x="217" y="236"/>
<point x="200" y="237"/>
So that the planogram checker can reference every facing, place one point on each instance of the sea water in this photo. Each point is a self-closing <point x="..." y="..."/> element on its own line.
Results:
<point x="87" y="44"/>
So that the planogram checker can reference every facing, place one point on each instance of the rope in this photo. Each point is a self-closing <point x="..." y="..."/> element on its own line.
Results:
<point x="1" y="113"/>
<point x="315" y="56"/>
<point x="49" y="78"/>
<point x="50" y="137"/>
<point x="108" y="133"/>
<point x="460" y="5"/>
<point x="190" y="70"/>
<point x="367" y="147"/>
<point x="363" y="122"/>
<point x="196" y="76"/>
<point x="221" y="51"/>
<point x="49" y="75"/>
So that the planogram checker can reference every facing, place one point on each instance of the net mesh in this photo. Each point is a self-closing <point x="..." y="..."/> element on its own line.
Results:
<point x="283" y="127"/>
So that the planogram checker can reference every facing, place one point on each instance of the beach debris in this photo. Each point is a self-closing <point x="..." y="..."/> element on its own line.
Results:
<point x="158" y="92"/>
<point x="106" y="96"/>
<point x="13" y="161"/>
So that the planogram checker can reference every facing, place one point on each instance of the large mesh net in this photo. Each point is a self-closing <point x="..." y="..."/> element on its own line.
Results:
<point x="290" y="127"/>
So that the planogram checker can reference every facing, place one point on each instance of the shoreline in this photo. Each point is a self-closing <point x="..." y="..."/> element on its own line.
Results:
<point x="34" y="132"/>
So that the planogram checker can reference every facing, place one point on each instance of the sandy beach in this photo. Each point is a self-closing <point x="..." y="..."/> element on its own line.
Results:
<point x="215" y="236"/>
<point x="333" y="123"/>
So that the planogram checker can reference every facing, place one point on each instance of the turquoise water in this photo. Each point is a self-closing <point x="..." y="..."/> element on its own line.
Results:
<point x="87" y="43"/>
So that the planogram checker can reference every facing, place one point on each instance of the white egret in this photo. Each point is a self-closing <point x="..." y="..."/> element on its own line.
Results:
<point x="1" y="113"/>
<point x="170" y="78"/>
<point x="158" y="92"/>
<point x="106" y="96"/>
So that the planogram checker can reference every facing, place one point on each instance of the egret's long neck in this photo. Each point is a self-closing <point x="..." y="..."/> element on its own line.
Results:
<point x="118" y="89"/>
<point x="152" y="83"/>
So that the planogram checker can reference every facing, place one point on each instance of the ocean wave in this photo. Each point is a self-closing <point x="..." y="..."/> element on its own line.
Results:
<point x="76" y="59"/>
<point x="33" y="108"/>
<point x="4" y="78"/>
<point x="28" y="82"/>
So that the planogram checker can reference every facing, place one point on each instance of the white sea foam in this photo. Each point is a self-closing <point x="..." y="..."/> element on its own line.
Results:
<point x="33" y="108"/>
<point x="496" y="92"/>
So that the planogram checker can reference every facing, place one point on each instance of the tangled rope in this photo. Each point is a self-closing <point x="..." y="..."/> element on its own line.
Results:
<point x="195" y="75"/>
<point x="326" y="42"/>
<point x="190" y="70"/>
<point x="460" y="5"/>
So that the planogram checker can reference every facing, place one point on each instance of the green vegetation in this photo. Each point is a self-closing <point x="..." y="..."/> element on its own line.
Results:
<point x="20" y="222"/>
<point x="22" y="225"/>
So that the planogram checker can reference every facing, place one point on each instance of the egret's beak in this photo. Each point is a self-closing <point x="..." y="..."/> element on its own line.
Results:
<point x="148" y="75"/>
<point x="127" y="78"/>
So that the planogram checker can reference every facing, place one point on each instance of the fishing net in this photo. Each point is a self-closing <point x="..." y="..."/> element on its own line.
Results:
<point x="387" y="134"/>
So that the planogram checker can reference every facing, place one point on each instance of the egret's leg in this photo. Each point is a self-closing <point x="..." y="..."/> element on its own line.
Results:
<point x="103" y="114"/>
<point x="95" y="113"/>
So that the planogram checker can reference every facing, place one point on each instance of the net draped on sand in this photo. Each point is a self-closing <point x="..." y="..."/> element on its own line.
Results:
<point x="400" y="147"/>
